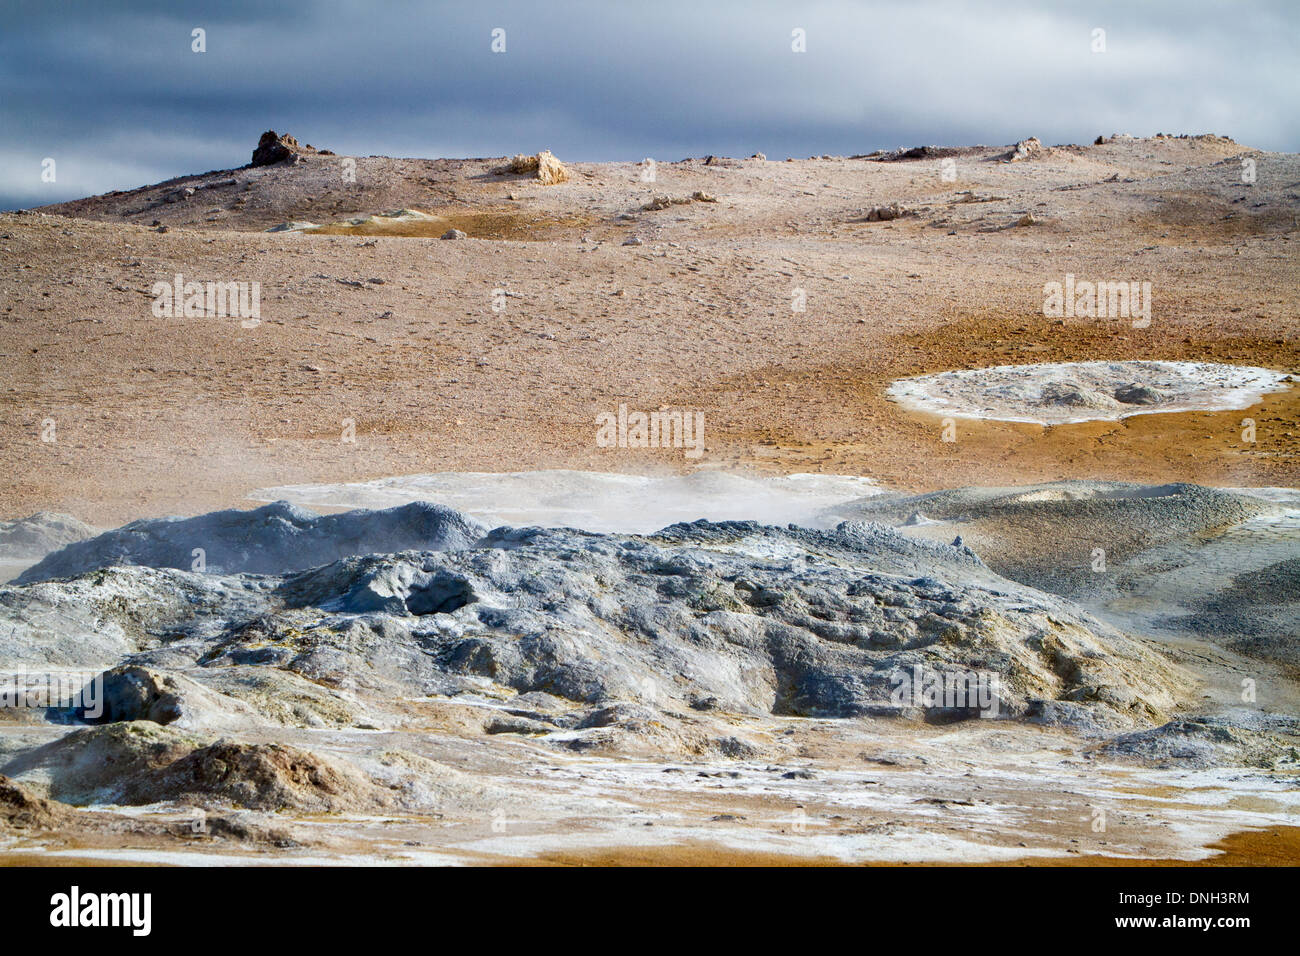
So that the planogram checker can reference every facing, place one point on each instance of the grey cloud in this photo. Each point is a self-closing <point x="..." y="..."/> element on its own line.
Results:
<point x="114" y="94"/>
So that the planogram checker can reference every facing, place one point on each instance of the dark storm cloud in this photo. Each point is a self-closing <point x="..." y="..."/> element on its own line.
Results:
<point x="114" y="94"/>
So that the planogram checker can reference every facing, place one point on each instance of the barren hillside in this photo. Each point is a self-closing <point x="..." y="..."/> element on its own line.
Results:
<point x="498" y="351"/>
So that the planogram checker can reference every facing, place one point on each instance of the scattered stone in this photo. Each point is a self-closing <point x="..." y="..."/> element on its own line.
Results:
<point x="945" y="802"/>
<point x="1029" y="148"/>
<point x="547" y="169"/>
<point x="453" y="234"/>
<point x="913" y="153"/>
<point x="293" y="226"/>
<point x="968" y="196"/>
<point x="885" y="213"/>
<point x="665" y="202"/>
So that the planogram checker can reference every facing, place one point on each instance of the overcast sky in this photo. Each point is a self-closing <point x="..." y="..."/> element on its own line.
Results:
<point x="113" y="92"/>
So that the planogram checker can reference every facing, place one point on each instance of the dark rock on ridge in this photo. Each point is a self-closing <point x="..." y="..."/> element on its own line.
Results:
<point x="273" y="148"/>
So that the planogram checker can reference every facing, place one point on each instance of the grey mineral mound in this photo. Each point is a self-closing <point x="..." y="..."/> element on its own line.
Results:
<point x="293" y="689"/>
<point x="1245" y="739"/>
<point x="1047" y="535"/>
<point x="1256" y="612"/>
<point x="141" y="762"/>
<point x="1168" y="561"/>
<point x="277" y="537"/>
<point x="38" y="535"/>
<point x="1073" y="395"/>
<point x="758" y="620"/>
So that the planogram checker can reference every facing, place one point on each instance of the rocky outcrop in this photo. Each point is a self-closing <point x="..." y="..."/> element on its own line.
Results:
<point x="273" y="148"/>
<point x="131" y="693"/>
<point x="543" y="166"/>
<point x="886" y="213"/>
<point x="1030" y="148"/>
<point x="97" y="619"/>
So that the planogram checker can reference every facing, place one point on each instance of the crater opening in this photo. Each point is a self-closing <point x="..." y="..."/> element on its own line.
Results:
<point x="1066" y="392"/>
<point x="443" y="593"/>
